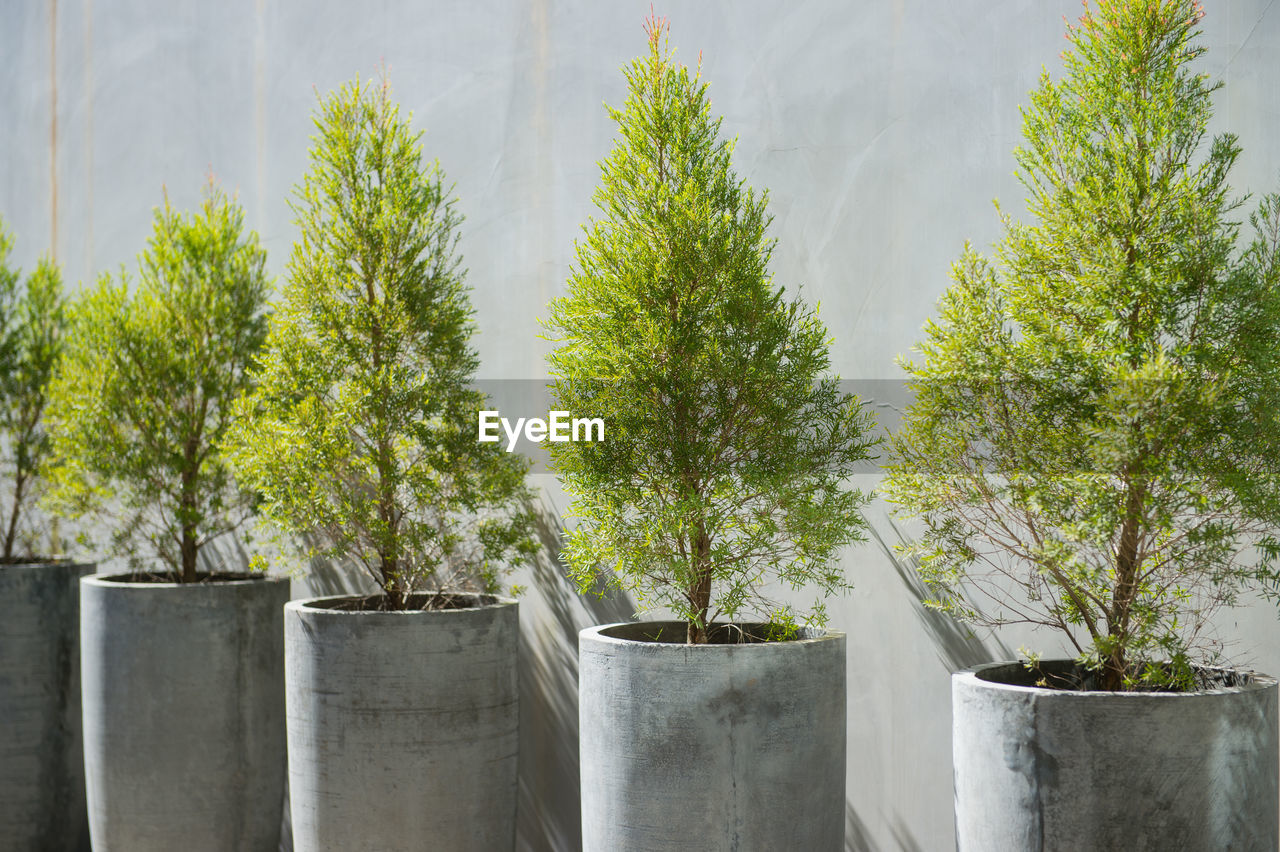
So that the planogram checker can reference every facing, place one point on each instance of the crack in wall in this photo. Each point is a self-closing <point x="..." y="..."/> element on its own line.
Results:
<point x="1249" y="35"/>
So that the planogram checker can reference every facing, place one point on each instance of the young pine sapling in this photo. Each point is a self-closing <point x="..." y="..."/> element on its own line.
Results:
<point x="728" y="447"/>
<point x="1093" y="441"/>
<point x="143" y="393"/>
<point x="360" y="435"/>
<point x="32" y="323"/>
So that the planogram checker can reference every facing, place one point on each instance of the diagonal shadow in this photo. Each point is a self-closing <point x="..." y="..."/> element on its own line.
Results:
<point x="957" y="646"/>
<point x="548" y="814"/>
<point x="857" y="837"/>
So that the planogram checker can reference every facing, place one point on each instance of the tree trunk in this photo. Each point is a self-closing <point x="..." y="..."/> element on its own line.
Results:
<point x="187" y="510"/>
<point x="700" y="594"/>
<point x="1116" y="665"/>
<point x="393" y="584"/>
<point x="12" y="533"/>
<point x="189" y="551"/>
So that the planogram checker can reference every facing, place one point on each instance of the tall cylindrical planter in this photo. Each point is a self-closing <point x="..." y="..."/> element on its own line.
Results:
<point x="184" y="713"/>
<point x="1047" y="769"/>
<point x="41" y="760"/>
<point x="714" y="747"/>
<point x="403" y="726"/>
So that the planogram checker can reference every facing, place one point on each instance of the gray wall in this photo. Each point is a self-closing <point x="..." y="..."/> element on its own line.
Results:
<point x="882" y="129"/>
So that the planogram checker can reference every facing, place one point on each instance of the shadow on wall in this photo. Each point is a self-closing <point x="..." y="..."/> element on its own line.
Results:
<point x="227" y="553"/>
<point x="857" y="838"/>
<point x="224" y="553"/>
<point x="548" y="813"/>
<point x="957" y="647"/>
<point x="548" y="804"/>
<point x="336" y="577"/>
<point x="548" y="817"/>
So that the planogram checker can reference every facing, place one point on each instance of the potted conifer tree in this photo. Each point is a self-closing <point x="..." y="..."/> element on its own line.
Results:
<point x="183" y="685"/>
<point x="41" y="762"/>
<point x="722" y="477"/>
<point x="360" y="435"/>
<point x="1093" y="447"/>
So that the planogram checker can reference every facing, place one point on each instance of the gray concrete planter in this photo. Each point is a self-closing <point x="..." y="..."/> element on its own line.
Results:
<point x="403" y="726"/>
<point x="41" y="761"/>
<point x="714" y="747"/>
<point x="184" y="713"/>
<point x="1043" y="769"/>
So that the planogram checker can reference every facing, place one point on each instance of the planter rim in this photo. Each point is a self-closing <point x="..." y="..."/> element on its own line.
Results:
<point x="308" y="605"/>
<point x="970" y="677"/>
<point x="597" y="634"/>
<point x="112" y="581"/>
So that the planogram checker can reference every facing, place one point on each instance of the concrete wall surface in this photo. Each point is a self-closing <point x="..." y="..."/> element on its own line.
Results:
<point x="882" y="129"/>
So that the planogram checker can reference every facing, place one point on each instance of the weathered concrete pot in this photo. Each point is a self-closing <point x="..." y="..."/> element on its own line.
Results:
<point x="41" y="760"/>
<point x="714" y="747"/>
<point x="403" y="726"/>
<point x="1045" y="769"/>
<point x="183" y="713"/>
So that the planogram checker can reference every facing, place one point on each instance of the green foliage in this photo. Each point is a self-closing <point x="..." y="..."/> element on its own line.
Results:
<point x="726" y="451"/>
<point x="1093" y="440"/>
<point x="361" y="432"/>
<point x="144" y="391"/>
<point x="32" y="321"/>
